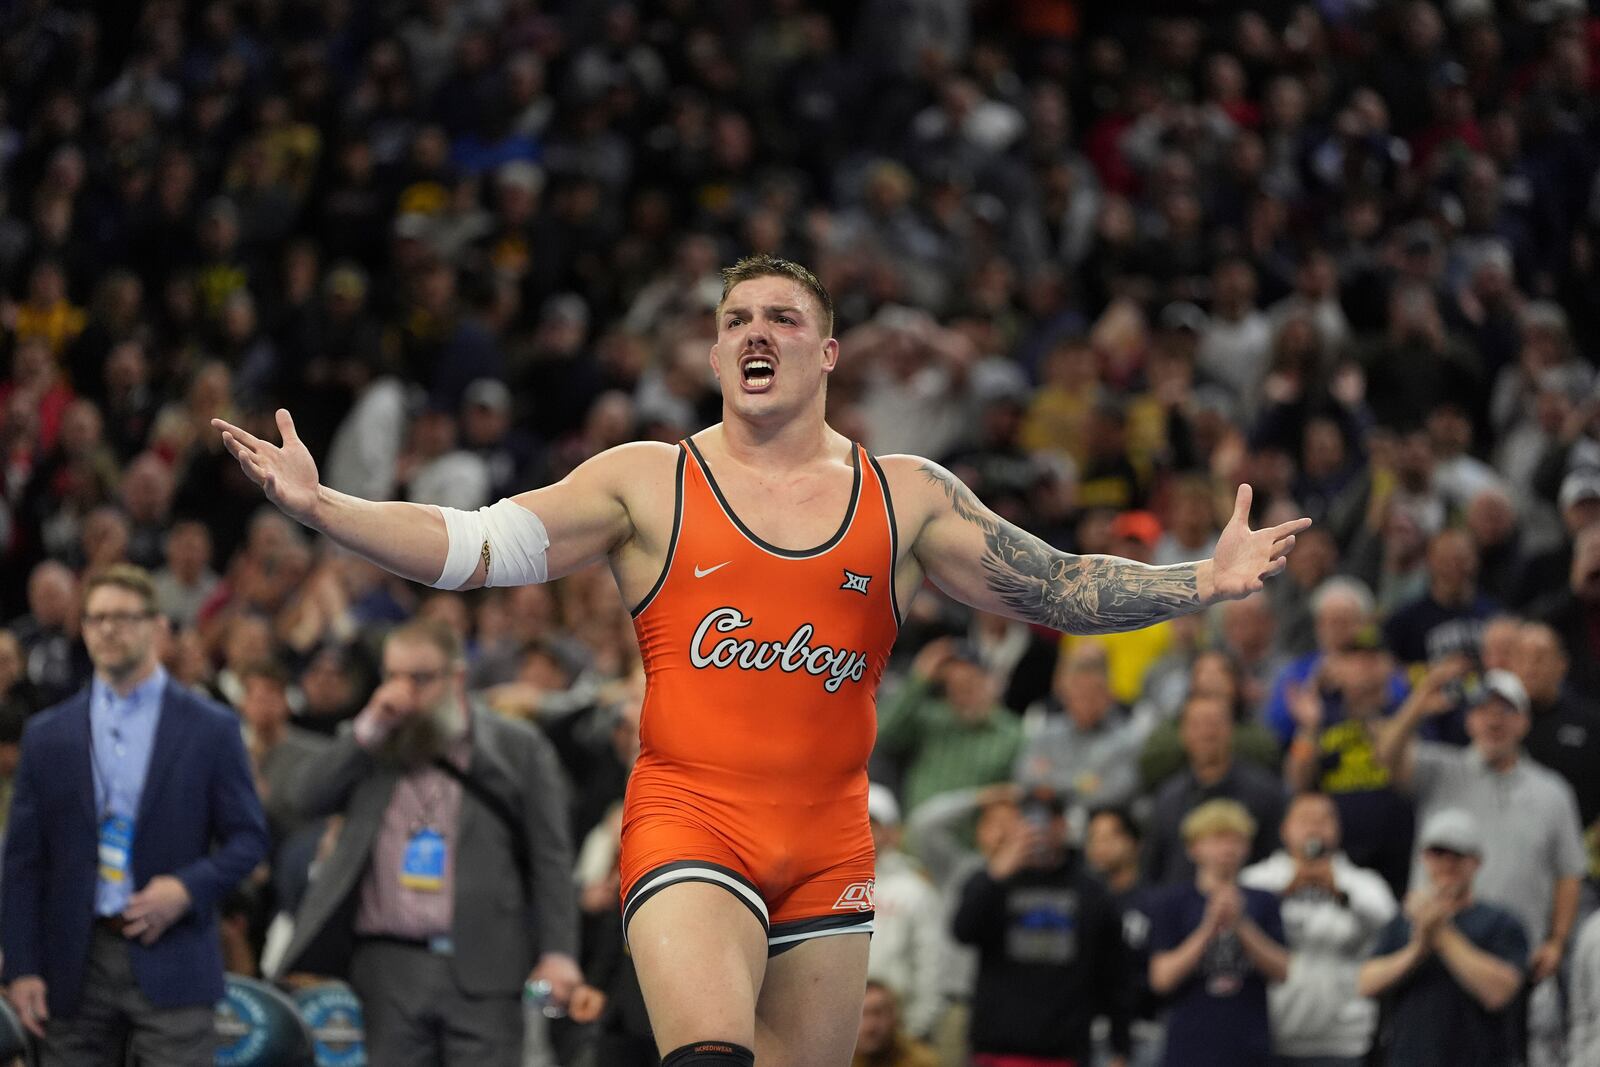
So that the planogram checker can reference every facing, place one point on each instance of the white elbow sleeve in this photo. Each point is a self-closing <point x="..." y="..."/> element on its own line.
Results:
<point x="466" y="532"/>
<point x="516" y="538"/>
<point x="517" y="544"/>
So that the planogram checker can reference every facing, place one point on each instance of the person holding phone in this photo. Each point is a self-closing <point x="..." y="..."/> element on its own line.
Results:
<point x="1332" y="911"/>
<point x="1049" y="941"/>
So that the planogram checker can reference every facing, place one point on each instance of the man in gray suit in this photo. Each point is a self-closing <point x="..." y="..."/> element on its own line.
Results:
<point x="451" y="882"/>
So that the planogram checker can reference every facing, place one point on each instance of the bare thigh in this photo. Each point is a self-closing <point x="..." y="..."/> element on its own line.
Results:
<point x="700" y="955"/>
<point x="809" y="1012"/>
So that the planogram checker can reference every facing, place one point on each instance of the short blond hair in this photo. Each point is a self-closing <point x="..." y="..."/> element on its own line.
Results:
<point x="1218" y="817"/>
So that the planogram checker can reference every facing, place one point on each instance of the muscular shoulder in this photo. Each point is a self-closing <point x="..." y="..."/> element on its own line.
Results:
<point x="629" y="464"/>
<point x="621" y="481"/>
<point x="921" y="489"/>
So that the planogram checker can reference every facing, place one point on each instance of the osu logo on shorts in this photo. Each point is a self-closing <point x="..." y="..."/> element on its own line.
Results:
<point x="856" y="897"/>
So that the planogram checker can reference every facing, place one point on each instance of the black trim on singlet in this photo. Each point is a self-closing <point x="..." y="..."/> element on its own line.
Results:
<point x="672" y="545"/>
<point x="787" y="553"/>
<point x="894" y="539"/>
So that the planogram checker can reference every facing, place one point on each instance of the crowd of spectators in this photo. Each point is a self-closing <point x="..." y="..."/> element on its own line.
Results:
<point x="1104" y="261"/>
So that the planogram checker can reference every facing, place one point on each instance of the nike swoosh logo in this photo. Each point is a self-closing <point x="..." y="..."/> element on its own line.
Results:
<point x="698" y="573"/>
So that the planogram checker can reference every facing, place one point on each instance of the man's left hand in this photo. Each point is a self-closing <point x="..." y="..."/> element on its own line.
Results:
<point x="562" y="972"/>
<point x="1246" y="558"/>
<point x="150" y="911"/>
<point x="587" y="1004"/>
<point x="1545" y="961"/>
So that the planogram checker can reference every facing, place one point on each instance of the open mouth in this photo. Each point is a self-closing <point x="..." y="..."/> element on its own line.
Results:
<point x="757" y="372"/>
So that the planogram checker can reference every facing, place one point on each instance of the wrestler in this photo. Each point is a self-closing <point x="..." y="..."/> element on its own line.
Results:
<point x="767" y="560"/>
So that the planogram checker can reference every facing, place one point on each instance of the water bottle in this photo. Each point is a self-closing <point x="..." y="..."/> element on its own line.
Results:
<point x="538" y="992"/>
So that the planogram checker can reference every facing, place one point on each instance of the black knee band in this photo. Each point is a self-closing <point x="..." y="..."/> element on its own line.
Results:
<point x="710" y="1054"/>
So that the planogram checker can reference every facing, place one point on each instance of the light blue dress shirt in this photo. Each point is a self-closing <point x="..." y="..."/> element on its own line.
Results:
<point x="123" y="731"/>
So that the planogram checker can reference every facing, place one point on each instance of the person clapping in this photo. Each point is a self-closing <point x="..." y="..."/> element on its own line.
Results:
<point x="1450" y="966"/>
<point x="1215" y="946"/>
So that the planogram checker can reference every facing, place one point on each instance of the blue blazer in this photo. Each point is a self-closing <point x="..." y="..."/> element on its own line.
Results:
<point x="199" y="820"/>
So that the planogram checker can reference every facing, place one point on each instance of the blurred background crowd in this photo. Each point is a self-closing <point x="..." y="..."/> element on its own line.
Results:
<point x="1104" y="261"/>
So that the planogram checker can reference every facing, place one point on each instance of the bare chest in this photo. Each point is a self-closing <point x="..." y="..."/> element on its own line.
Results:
<point x="795" y="511"/>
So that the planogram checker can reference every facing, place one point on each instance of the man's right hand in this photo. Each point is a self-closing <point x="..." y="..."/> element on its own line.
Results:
<point x="1428" y="911"/>
<point x="27" y="995"/>
<point x="1021" y="847"/>
<point x="286" y="473"/>
<point x="389" y="706"/>
<point x="1305" y="708"/>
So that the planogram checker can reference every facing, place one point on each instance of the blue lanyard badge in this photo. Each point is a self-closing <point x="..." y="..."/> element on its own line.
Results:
<point x="422" y="867"/>
<point x="116" y="847"/>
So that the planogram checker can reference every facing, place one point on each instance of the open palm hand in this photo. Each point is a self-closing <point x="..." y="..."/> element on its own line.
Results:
<point x="1246" y="558"/>
<point x="286" y="473"/>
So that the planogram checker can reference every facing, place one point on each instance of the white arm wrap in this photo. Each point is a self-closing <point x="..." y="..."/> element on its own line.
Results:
<point x="466" y="532"/>
<point x="516" y="538"/>
<point x="517" y="543"/>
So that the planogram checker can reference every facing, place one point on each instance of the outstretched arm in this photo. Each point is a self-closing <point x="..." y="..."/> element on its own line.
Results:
<point x="979" y="558"/>
<point x="583" y="514"/>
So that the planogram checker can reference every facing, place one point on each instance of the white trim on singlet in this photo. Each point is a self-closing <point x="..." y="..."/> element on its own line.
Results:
<point x="858" y="928"/>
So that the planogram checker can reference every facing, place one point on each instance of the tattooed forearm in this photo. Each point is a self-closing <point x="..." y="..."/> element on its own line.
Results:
<point x="1075" y="594"/>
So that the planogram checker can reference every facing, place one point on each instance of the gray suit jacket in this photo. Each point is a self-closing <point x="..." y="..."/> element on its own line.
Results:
<point x="501" y="927"/>
<point x="280" y="775"/>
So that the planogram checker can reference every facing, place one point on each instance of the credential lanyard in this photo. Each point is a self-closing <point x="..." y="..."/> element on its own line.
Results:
<point x="100" y="780"/>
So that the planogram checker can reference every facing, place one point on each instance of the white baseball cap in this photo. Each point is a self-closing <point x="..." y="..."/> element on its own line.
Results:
<point x="1453" y="830"/>
<point x="1506" y="686"/>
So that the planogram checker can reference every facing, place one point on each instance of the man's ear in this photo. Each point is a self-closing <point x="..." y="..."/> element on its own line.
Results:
<point x="830" y="355"/>
<point x="715" y="368"/>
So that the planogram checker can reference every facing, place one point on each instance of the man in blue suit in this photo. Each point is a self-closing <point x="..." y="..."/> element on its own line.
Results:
<point x="134" y="812"/>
